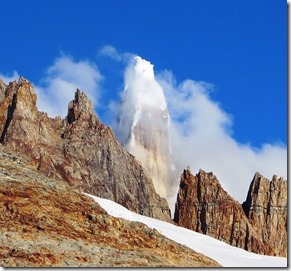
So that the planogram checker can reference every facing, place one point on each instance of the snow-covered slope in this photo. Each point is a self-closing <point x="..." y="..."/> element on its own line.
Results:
<point x="226" y="255"/>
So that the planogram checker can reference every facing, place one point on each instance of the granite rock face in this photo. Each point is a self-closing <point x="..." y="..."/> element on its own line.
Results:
<point x="46" y="223"/>
<point x="266" y="209"/>
<point x="204" y="206"/>
<point x="144" y="123"/>
<point x="78" y="149"/>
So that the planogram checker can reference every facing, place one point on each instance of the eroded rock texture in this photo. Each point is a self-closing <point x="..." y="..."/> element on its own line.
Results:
<point x="266" y="209"/>
<point x="78" y="149"/>
<point x="204" y="206"/>
<point x="46" y="223"/>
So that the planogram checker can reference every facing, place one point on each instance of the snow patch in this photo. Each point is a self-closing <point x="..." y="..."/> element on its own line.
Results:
<point x="226" y="255"/>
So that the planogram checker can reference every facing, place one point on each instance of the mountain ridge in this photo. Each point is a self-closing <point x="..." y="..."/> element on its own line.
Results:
<point x="78" y="149"/>
<point x="84" y="153"/>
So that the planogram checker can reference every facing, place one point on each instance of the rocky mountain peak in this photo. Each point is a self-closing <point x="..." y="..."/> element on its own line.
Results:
<point x="207" y="186"/>
<point x="80" y="106"/>
<point x="78" y="149"/>
<point x="24" y="90"/>
<point x="263" y="192"/>
<point x="17" y="104"/>
<point x="144" y="123"/>
<point x="204" y="206"/>
<point x="266" y="209"/>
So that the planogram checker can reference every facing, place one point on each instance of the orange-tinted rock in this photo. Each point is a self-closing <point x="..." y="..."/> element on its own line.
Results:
<point x="46" y="223"/>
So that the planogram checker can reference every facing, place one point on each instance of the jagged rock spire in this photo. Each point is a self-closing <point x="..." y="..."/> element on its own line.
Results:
<point x="204" y="206"/>
<point x="144" y="122"/>
<point x="266" y="208"/>
<point x="81" y="105"/>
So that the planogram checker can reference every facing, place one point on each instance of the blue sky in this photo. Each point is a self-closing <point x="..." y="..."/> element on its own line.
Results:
<point x="238" y="46"/>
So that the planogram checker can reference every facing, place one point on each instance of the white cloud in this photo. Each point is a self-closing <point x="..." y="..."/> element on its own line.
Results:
<point x="61" y="81"/>
<point x="7" y="78"/>
<point x="111" y="52"/>
<point x="202" y="138"/>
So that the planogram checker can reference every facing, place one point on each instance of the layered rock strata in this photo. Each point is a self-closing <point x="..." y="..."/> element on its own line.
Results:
<point x="78" y="149"/>
<point x="266" y="209"/>
<point x="46" y="223"/>
<point x="204" y="206"/>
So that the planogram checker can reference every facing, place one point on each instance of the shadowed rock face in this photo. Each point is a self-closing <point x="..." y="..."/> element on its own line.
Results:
<point x="266" y="209"/>
<point x="78" y="149"/>
<point x="203" y="206"/>
<point x="46" y="223"/>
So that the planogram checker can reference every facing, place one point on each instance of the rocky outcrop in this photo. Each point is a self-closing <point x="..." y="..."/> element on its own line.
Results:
<point x="266" y="209"/>
<point x="78" y="149"/>
<point x="204" y="206"/>
<point x="46" y="223"/>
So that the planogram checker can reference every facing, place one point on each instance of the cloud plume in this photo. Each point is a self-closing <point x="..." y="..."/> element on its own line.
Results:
<point x="111" y="52"/>
<point x="202" y="138"/>
<point x="61" y="81"/>
<point x="200" y="130"/>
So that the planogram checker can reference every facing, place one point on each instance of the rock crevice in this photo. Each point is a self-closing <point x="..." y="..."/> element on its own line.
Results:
<point x="10" y="111"/>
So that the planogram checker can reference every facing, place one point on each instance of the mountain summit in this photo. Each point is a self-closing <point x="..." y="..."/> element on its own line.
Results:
<point x="78" y="149"/>
<point x="144" y="122"/>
